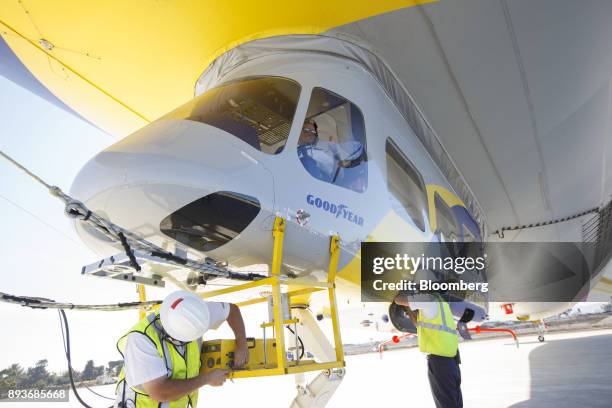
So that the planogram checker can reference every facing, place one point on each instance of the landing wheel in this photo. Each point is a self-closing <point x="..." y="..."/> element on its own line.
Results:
<point x="541" y="339"/>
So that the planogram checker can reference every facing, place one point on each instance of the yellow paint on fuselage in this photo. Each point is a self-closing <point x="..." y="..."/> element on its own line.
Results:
<point x="121" y="64"/>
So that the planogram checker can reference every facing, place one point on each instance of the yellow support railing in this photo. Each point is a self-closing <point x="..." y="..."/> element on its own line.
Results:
<point x="241" y="287"/>
<point x="277" y="258"/>
<point x="142" y="297"/>
<point x="290" y="294"/>
<point x="286" y="322"/>
<point x="276" y="281"/>
<point x="334" y="256"/>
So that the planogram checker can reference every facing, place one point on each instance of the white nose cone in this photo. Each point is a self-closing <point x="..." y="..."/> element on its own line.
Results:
<point x="184" y="316"/>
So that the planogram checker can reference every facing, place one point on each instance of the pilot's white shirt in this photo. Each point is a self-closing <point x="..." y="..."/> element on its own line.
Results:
<point x="142" y="362"/>
<point x="327" y="154"/>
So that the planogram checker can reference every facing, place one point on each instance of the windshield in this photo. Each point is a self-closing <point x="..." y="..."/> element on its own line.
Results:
<point x="258" y="111"/>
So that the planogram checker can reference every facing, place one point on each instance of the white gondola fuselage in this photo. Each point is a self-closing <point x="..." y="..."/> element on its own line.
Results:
<point x="209" y="177"/>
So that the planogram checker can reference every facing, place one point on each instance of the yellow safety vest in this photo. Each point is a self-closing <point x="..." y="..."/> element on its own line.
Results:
<point x="438" y="336"/>
<point x="179" y="367"/>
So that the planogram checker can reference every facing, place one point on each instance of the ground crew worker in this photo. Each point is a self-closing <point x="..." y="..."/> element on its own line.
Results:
<point x="437" y="336"/>
<point x="161" y="353"/>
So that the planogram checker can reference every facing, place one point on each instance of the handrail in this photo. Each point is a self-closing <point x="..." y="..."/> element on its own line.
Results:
<point x="479" y="329"/>
<point x="395" y="339"/>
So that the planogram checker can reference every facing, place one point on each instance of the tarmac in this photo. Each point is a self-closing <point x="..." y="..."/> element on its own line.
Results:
<point x="568" y="370"/>
<point x="571" y="369"/>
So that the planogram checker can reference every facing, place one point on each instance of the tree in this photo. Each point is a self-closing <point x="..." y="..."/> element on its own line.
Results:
<point x="98" y="371"/>
<point x="63" y="378"/>
<point x="11" y="377"/>
<point x="91" y="372"/>
<point x="37" y="376"/>
<point x="88" y="371"/>
<point x="114" y="367"/>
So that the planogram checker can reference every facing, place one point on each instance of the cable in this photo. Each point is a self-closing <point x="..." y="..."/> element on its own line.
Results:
<point x="37" y="218"/>
<point x="25" y="170"/>
<point x="500" y="232"/>
<point x="301" y="342"/>
<point x="99" y="395"/>
<point x="129" y="252"/>
<point x="43" y="303"/>
<point x="66" y="343"/>
<point x="77" y="210"/>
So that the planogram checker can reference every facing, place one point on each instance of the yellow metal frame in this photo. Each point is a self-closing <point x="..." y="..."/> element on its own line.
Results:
<point x="286" y="322"/>
<point x="142" y="297"/>
<point x="276" y="281"/>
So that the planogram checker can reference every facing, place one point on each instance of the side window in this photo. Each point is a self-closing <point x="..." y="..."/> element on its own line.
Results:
<point x="406" y="187"/>
<point x="446" y="223"/>
<point x="332" y="145"/>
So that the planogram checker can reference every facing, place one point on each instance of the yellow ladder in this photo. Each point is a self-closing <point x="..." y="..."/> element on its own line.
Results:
<point x="276" y="281"/>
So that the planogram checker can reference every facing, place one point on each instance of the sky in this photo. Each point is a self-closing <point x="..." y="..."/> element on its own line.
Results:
<point x="39" y="250"/>
<point x="41" y="254"/>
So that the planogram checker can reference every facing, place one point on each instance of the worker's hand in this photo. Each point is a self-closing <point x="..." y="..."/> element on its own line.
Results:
<point x="216" y="377"/>
<point x="241" y="355"/>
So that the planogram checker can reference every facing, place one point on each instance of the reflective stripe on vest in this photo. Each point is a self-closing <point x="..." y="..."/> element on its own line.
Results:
<point x="437" y="327"/>
<point x="179" y="367"/>
<point x="441" y="327"/>
<point x="438" y="335"/>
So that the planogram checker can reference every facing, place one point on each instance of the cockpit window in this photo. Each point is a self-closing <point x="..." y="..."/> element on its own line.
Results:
<point x="259" y="111"/>
<point x="332" y="145"/>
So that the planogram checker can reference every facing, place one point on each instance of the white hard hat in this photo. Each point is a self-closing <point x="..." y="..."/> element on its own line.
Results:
<point x="184" y="316"/>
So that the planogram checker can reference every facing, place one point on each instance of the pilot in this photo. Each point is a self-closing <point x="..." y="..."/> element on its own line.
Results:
<point x="323" y="159"/>
<point x="161" y="353"/>
<point x="437" y="337"/>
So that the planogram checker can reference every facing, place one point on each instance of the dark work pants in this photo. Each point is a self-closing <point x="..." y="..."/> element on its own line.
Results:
<point x="445" y="381"/>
